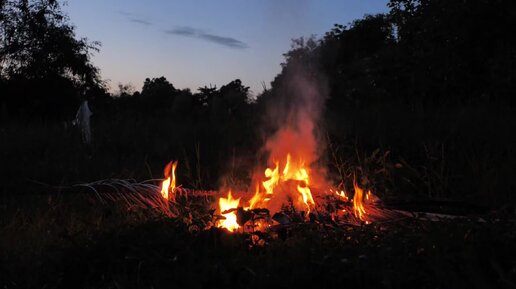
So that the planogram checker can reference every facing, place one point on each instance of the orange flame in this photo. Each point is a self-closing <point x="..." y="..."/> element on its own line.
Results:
<point x="230" y="221"/>
<point x="257" y="198"/>
<point x="358" y="206"/>
<point x="168" y="186"/>
<point x="358" y="202"/>
<point x="342" y="195"/>
<point x="274" y="178"/>
<point x="293" y="171"/>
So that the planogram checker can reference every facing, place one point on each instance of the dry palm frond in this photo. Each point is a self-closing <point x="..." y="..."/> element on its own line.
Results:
<point x="133" y="194"/>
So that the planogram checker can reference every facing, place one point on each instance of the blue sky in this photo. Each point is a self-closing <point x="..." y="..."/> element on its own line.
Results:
<point x="195" y="43"/>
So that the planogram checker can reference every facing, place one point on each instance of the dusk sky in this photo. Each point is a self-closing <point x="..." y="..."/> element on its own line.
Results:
<point x="195" y="43"/>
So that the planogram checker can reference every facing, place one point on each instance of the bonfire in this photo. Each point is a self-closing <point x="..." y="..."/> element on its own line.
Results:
<point x="291" y="188"/>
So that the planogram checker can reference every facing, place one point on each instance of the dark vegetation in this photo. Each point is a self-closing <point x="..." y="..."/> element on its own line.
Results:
<point x="419" y="100"/>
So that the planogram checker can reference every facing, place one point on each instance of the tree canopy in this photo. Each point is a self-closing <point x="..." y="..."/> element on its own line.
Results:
<point x="421" y="53"/>
<point x="39" y="49"/>
<point x="37" y="41"/>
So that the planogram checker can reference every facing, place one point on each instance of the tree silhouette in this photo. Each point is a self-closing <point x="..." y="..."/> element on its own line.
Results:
<point x="45" y="67"/>
<point x="457" y="52"/>
<point x="206" y="95"/>
<point x="37" y="42"/>
<point x="158" y="88"/>
<point x="235" y="96"/>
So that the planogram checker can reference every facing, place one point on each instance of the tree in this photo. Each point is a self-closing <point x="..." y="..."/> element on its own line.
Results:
<point x="457" y="52"/>
<point x="302" y="51"/>
<point x="355" y="60"/>
<point x="158" y="88"/>
<point x="36" y="41"/>
<point x="45" y="67"/>
<point x="235" y="98"/>
<point x="228" y="102"/>
<point x="206" y="95"/>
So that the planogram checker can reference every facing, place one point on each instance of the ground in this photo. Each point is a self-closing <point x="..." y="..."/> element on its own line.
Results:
<point x="76" y="242"/>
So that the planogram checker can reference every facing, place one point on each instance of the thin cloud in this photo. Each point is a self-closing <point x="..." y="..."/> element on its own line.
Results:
<point x="134" y="18"/>
<point x="140" y="21"/>
<point x="124" y="13"/>
<point x="200" y="34"/>
<point x="227" y="41"/>
<point x="184" y="31"/>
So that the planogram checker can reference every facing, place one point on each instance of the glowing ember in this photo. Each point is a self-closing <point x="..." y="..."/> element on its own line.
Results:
<point x="230" y="221"/>
<point x="168" y="186"/>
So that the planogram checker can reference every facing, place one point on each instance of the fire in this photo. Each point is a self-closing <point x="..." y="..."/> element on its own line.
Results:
<point x="342" y="195"/>
<point x="257" y="198"/>
<point x="230" y="221"/>
<point x="293" y="175"/>
<point x="168" y="186"/>
<point x="274" y="178"/>
<point x="292" y="171"/>
<point x="359" y="200"/>
<point x="292" y="181"/>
